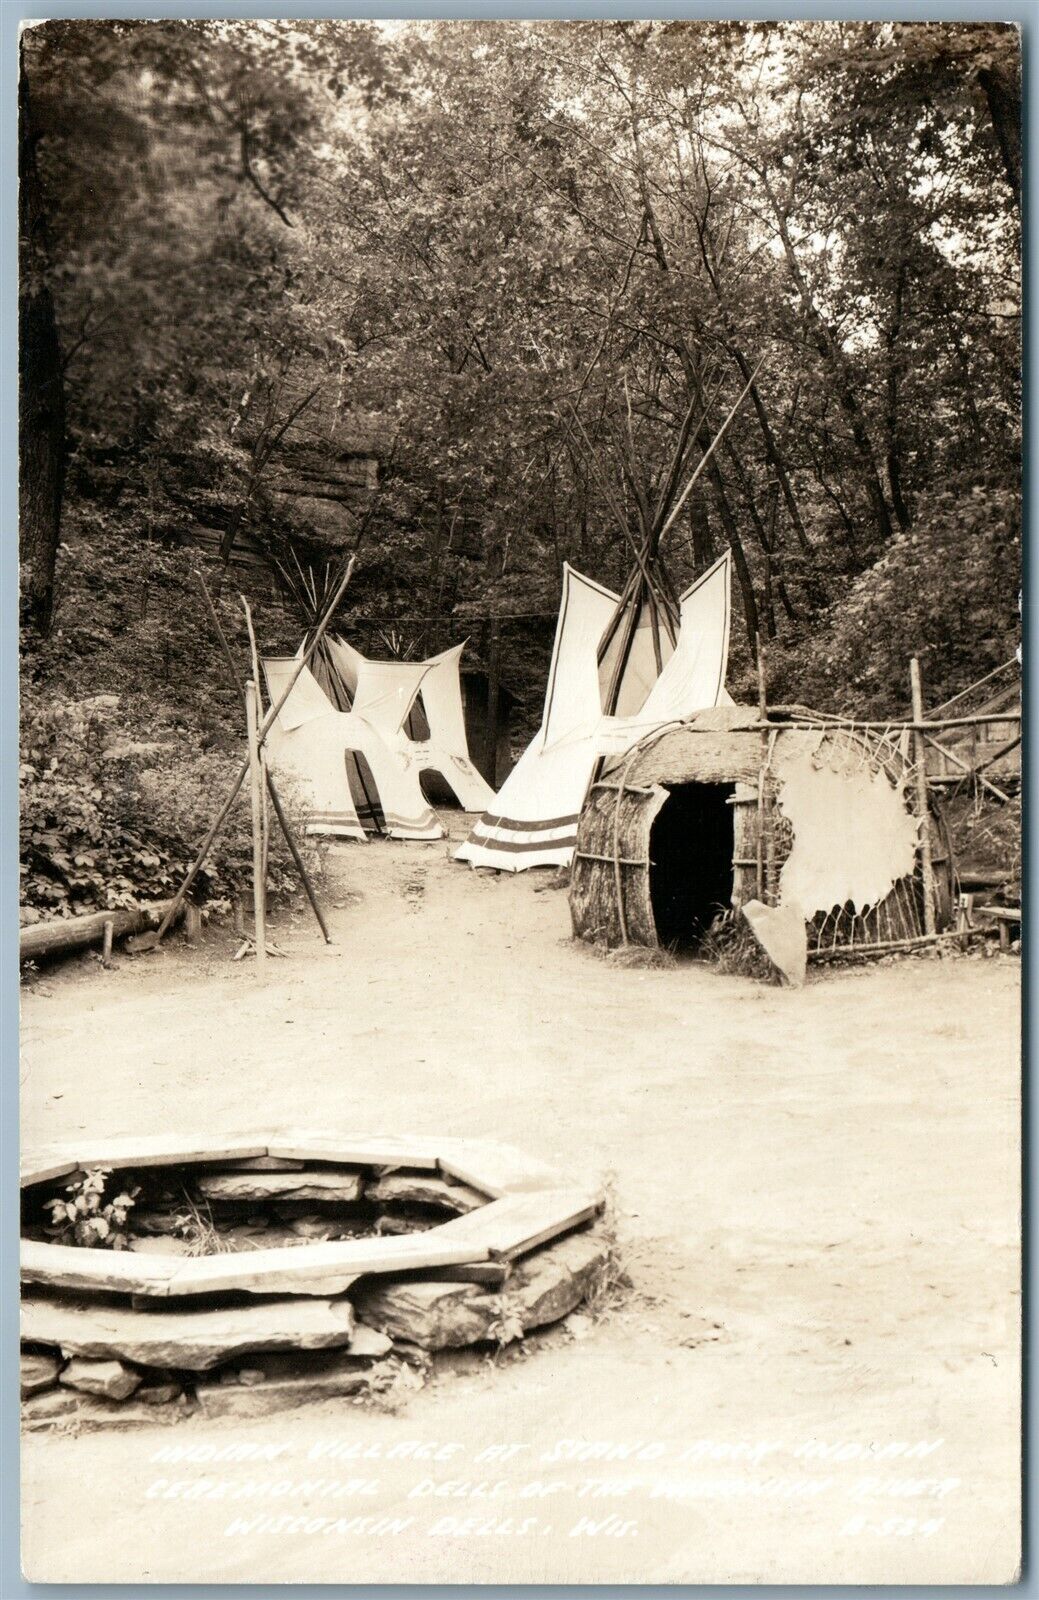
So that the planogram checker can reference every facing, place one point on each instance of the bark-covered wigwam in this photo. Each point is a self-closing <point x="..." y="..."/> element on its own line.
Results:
<point x="726" y="811"/>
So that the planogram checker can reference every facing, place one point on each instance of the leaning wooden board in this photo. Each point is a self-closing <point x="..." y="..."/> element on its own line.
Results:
<point x="520" y="1222"/>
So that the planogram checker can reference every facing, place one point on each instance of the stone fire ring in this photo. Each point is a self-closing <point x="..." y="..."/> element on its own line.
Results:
<point x="505" y="1264"/>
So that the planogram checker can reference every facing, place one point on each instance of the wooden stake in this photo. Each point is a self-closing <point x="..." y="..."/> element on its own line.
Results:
<point x="107" y="935"/>
<point x="256" y="800"/>
<point x="922" y="809"/>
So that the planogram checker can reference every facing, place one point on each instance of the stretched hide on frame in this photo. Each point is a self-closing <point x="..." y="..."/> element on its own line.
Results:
<point x="853" y="835"/>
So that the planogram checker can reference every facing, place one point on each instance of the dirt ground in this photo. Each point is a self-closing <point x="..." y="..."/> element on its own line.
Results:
<point x="817" y="1195"/>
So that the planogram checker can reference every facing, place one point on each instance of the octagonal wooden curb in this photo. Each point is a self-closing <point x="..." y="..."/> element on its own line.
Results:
<point x="528" y="1204"/>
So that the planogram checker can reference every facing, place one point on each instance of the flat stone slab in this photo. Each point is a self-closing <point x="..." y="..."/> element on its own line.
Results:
<point x="41" y="1168"/>
<point x="418" y="1188"/>
<point x="435" y="1316"/>
<point x="192" y="1340"/>
<point x="109" y="1379"/>
<point x="37" y="1372"/>
<point x="337" y="1378"/>
<point x="319" y="1269"/>
<point x="364" y="1150"/>
<point x="554" y="1282"/>
<point x="119" y="1272"/>
<point x="331" y="1183"/>
<point x="444" y="1315"/>
<point x="67" y="1410"/>
<point x="160" y="1150"/>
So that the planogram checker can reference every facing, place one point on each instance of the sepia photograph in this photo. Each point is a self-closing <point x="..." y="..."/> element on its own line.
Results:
<point x="520" y="801"/>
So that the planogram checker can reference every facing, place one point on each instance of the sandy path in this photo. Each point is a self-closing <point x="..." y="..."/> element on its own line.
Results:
<point x="818" y="1194"/>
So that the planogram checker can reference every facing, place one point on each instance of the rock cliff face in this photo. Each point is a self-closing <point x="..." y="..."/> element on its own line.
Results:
<point x="322" y="485"/>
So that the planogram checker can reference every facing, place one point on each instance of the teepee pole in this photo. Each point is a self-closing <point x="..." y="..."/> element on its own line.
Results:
<point x="686" y="432"/>
<point x="708" y="453"/>
<point x="256" y="806"/>
<point x="243" y="771"/>
<point x="630" y="626"/>
<point x="275" y="798"/>
<point x="265" y="815"/>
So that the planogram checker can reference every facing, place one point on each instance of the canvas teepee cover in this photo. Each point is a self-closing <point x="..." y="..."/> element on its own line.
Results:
<point x="533" y="821"/>
<point x="313" y="741"/>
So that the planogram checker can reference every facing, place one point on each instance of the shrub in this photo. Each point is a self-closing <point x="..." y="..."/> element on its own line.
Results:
<point x="946" y="591"/>
<point x="88" y="1218"/>
<point x="115" y="799"/>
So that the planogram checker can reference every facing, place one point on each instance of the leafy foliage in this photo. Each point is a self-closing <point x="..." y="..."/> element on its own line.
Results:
<point x="923" y="597"/>
<point x="87" y="1218"/>
<point x="508" y="260"/>
<point x="109" y="818"/>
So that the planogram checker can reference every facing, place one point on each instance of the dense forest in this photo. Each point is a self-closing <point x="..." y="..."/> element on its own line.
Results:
<point x="449" y="294"/>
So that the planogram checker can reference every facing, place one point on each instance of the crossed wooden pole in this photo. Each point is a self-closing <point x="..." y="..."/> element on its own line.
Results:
<point x="252" y="761"/>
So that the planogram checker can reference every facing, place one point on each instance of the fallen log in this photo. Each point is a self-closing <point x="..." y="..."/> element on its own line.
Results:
<point x="971" y="878"/>
<point x="63" y="934"/>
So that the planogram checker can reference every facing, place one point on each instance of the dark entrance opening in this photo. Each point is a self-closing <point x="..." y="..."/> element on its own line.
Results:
<point x="690" y="851"/>
<point x="364" y="793"/>
<point x="437" y="790"/>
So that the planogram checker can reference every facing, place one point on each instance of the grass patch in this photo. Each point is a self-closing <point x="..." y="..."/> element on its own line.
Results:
<point x="612" y="1285"/>
<point x="731" y="948"/>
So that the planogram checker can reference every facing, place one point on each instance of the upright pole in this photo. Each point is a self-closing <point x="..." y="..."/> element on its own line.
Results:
<point x="243" y="771"/>
<point x="766" y="866"/>
<point x="256" y="799"/>
<point x="275" y="799"/>
<point x="265" y="821"/>
<point x="922" y="808"/>
<point x="493" y="699"/>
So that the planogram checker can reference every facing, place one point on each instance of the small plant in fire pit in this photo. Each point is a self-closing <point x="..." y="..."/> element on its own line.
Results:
<point x="86" y="1218"/>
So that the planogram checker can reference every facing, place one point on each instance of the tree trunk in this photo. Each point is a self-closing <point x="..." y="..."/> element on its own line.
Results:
<point x="41" y="391"/>
<point x="700" y="531"/>
<point x="894" y="459"/>
<point x="493" y="699"/>
<point x="769" y="543"/>
<point x="834" y="359"/>
<point x="1002" y="90"/>
<point x="776" y="458"/>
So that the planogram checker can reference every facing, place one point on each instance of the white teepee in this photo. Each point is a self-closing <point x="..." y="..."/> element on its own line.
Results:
<point x="314" y="742"/>
<point x="533" y="820"/>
